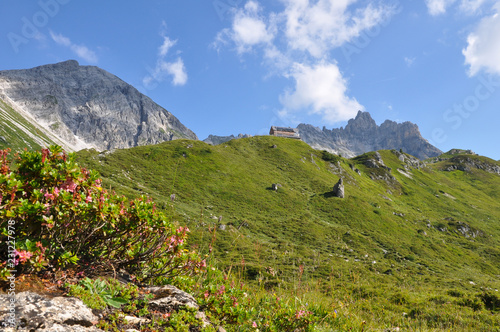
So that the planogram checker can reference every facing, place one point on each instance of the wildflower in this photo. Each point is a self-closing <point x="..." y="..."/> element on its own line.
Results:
<point x="254" y="325"/>
<point x="45" y="153"/>
<point x="206" y="294"/>
<point x="23" y="256"/>
<point x="69" y="185"/>
<point x="40" y="246"/>
<point x="88" y="199"/>
<point x="302" y="313"/>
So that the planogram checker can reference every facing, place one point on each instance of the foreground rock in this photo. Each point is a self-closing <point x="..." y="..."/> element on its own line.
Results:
<point x="34" y="312"/>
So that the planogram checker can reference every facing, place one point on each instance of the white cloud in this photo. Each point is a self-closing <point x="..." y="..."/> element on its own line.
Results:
<point x="471" y="6"/>
<point x="176" y="69"/>
<point x="165" y="47"/>
<point x="320" y="90"/>
<point x="248" y="29"/>
<point x="297" y="42"/>
<point x="60" y="39"/>
<point x="318" y="27"/>
<point x="483" y="49"/>
<point x="410" y="61"/>
<point x="437" y="7"/>
<point x="81" y="50"/>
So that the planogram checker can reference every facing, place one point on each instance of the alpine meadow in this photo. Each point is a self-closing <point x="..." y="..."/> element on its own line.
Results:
<point x="250" y="166"/>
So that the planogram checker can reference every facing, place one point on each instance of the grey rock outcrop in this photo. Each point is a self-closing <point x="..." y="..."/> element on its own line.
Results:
<point x="378" y="169"/>
<point x="362" y="135"/>
<point x="462" y="168"/>
<point x="376" y="162"/>
<point x="410" y="162"/>
<point x="87" y="107"/>
<point x="169" y="298"/>
<point x="34" y="312"/>
<point x="338" y="189"/>
<point x="461" y="151"/>
<point x="466" y="164"/>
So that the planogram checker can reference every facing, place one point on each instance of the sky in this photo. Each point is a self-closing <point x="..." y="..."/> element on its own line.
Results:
<point x="226" y="67"/>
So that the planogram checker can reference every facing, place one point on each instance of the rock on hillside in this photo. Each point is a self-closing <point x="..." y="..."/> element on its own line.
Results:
<point x="466" y="163"/>
<point x="87" y="107"/>
<point x="363" y="135"/>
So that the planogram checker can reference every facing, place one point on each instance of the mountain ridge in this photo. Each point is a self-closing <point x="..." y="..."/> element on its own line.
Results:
<point x="88" y="107"/>
<point x="360" y="135"/>
<point x="81" y="107"/>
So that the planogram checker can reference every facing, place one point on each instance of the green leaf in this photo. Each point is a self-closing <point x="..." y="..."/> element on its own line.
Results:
<point x="116" y="302"/>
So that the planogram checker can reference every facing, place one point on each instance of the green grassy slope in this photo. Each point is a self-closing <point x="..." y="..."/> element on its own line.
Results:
<point x="17" y="133"/>
<point x="400" y="239"/>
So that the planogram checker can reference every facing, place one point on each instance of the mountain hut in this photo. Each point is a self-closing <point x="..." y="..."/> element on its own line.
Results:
<point x="284" y="132"/>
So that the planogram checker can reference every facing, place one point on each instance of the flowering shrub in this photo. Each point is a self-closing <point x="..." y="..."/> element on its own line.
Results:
<point x="60" y="215"/>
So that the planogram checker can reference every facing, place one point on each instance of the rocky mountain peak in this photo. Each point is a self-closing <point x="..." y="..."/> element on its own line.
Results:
<point x="362" y="121"/>
<point x="362" y="135"/>
<point x="65" y="65"/>
<point x="87" y="107"/>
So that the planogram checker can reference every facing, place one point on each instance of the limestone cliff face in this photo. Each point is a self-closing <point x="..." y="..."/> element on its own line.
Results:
<point x="363" y="135"/>
<point x="87" y="107"/>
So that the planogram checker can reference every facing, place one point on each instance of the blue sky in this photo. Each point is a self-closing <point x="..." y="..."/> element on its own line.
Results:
<point x="236" y="66"/>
